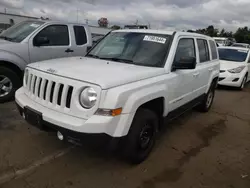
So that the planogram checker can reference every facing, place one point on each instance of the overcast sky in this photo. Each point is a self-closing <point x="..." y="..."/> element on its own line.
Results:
<point x="165" y="14"/>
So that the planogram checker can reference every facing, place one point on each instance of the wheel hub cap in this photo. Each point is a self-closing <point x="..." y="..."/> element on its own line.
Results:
<point x="5" y="86"/>
<point x="209" y="98"/>
<point x="146" y="136"/>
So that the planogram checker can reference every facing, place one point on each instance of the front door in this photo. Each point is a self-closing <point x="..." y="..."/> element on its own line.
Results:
<point x="181" y="84"/>
<point x="58" y="44"/>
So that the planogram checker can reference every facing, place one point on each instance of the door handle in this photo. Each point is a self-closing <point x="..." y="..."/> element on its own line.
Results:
<point x="196" y="74"/>
<point x="211" y="69"/>
<point x="69" y="50"/>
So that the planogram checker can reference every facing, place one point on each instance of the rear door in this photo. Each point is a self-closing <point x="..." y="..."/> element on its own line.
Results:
<point x="81" y="40"/>
<point x="59" y="43"/>
<point x="204" y="67"/>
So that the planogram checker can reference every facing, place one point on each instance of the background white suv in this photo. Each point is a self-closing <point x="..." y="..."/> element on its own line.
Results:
<point x="124" y="88"/>
<point x="235" y="66"/>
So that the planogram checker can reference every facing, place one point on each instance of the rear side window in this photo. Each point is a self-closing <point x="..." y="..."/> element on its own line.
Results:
<point x="186" y="48"/>
<point x="203" y="50"/>
<point x="80" y="35"/>
<point x="213" y="49"/>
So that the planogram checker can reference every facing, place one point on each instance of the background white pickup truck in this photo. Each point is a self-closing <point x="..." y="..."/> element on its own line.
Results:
<point x="33" y="41"/>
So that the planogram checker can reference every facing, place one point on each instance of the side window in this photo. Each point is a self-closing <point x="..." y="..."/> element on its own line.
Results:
<point x="80" y="35"/>
<point x="213" y="49"/>
<point x="185" y="48"/>
<point x="203" y="50"/>
<point x="57" y="35"/>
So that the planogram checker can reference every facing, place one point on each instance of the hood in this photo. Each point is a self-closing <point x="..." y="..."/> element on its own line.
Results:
<point x="5" y="42"/>
<point x="106" y="74"/>
<point x="227" y="65"/>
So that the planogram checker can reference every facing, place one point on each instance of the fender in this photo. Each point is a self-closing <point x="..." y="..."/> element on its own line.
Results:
<point x="7" y="56"/>
<point x="213" y="75"/>
<point x="137" y="98"/>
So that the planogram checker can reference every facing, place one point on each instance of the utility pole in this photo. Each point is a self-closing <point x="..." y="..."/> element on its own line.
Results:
<point x="77" y="15"/>
<point x="5" y="10"/>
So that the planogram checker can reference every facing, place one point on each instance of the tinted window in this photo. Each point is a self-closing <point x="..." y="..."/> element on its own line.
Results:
<point x="186" y="48"/>
<point x="213" y="49"/>
<point x="58" y="35"/>
<point x="80" y="35"/>
<point x="232" y="54"/>
<point x="203" y="50"/>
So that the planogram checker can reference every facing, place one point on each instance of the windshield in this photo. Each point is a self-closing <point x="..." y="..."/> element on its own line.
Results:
<point x="19" y="32"/>
<point x="233" y="55"/>
<point x="135" y="48"/>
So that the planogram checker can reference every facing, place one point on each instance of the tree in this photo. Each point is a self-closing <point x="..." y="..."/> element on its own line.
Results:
<point x="115" y="27"/>
<point x="103" y="22"/>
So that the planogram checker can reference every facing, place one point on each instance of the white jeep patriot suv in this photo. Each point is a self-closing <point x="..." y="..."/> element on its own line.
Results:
<point x="123" y="88"/>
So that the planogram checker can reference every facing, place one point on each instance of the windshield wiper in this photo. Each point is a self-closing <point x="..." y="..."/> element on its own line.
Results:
<point x="6" y="38"/>
<point x="94" y="56"/>
<point x="118" y="59"/>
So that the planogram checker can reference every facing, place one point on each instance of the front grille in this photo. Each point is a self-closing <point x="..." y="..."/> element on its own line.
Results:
<point x="220" y="79"/>
<point x="50" y="91"/>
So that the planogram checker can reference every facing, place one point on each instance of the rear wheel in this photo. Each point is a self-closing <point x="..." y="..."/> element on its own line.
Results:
<point x="141" y="137"/>
<point x="9" y="83"/>
<point x="208" y="99"/>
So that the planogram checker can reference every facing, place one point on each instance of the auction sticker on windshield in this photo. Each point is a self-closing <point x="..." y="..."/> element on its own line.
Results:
<point x="34" y="25"/>
<point x="155" y="39"/>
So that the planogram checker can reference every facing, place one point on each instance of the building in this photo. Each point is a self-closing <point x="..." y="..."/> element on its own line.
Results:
<point x="7" y="20"/>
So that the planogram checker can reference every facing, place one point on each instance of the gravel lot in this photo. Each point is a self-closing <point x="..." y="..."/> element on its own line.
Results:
<point x="196" y="150"/>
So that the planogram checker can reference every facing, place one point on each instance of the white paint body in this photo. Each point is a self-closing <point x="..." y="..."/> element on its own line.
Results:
<point x="230" y="77"/>
<point x="118" y="85"/>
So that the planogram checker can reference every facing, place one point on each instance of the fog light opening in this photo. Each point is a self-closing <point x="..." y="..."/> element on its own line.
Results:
<point x="60" y="136"/>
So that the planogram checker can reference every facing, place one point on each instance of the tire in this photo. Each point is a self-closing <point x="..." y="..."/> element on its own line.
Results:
<point x="141" y="137"/>
<point x="9" y="83"/>
<point x="207" y="102"/>
<point x="243" y="83"/>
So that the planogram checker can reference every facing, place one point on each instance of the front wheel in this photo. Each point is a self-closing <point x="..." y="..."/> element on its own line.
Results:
<point x="9" y="83"/>
<point x="141" y="137"/>
<point x="243" y="83"/>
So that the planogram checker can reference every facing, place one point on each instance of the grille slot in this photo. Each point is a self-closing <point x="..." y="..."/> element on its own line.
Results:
<point x="52" y="91"/>
<point x="69" y="96"/>
<point x="60" y="92"/>
<point x="45" y="89"/>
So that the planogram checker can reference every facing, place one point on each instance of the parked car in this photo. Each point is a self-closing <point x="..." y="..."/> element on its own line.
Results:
<point x="221" y="41"/>
<point x="124" y="88"/>
<point x="33" y="41"/>
<point x="235" y="66"/>
<point x="242" y="45"/>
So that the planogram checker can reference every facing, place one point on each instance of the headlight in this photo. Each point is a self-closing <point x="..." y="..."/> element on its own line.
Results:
<point x="88" y="97"/>
<point x="236" y="70"/>
<point x="26" y="76"/>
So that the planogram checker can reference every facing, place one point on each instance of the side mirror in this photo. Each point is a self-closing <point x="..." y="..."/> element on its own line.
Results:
<point x="41" y="41"/>
<point x="185" y="63"/>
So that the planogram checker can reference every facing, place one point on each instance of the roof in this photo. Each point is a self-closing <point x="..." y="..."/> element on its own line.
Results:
<point x="1" y="13"/>
<point x="161" y="32"/>
<point x="242" y="43"/>
<point x="220" y="38"/>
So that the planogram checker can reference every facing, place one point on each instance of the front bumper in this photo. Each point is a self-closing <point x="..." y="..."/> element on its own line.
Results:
<point x="112" y="126"/>
<point x="229" y="79"/>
